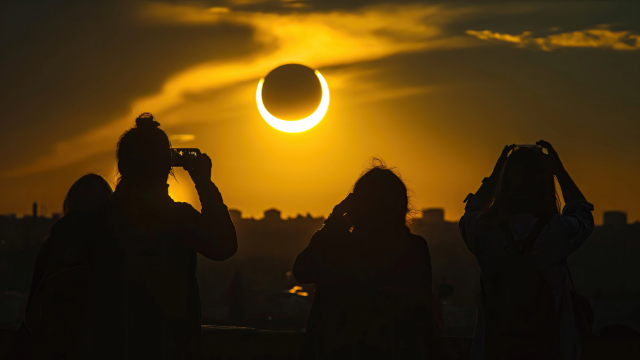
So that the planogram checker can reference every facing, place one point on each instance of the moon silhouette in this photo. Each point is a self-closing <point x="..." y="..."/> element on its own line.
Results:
<point x="303" y="124"/>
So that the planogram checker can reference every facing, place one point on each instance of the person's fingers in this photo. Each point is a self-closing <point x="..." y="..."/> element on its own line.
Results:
<point x="206" y="160"/>
<point x="505" y="153"/>
<point x="545" y="145"/>
<point x="508" y="148"/>
<point x="340" y="209"/>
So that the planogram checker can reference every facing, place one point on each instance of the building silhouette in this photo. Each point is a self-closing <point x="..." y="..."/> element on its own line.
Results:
<point x="20" y="240"/>
<point x="255" y="287"/>
<point x="606" y="269"/>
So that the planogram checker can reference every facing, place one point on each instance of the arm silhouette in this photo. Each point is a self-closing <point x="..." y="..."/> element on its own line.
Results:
<point x="324" y="260"/>
<point x="211" y="232"/>
<point x="306" y="269"/>
<point x="482" y="199"/>
<point x="569" y="188"/>
<point x="487" y="190"/>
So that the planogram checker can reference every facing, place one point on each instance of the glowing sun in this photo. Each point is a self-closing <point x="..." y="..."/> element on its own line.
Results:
<point x="295" y="126"/>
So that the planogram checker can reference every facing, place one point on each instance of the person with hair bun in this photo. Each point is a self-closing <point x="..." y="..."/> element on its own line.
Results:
<point x="144" y="298"/>
<point x="373" y="278"/>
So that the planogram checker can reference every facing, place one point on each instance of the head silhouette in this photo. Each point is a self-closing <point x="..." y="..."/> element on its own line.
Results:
<point x="527" y="186"/>
<point x="379" y="199"/>
<point x="87" y="194"/>
<point x="144" y="153"/>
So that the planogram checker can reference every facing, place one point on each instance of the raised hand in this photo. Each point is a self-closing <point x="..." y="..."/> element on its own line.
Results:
<point x="488" y="188"/>
<point x="502" y="160"/>
<point x="339" y="215"/>
<point x="199" y="169"/>
<point x="552" y="156"/>
<point x="340" y="210"/>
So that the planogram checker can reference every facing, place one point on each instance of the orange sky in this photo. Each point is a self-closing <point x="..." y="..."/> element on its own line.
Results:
<point x="434" y="90"/>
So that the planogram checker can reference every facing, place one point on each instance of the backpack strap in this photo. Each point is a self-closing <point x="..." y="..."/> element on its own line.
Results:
<point x="527" y="243"/>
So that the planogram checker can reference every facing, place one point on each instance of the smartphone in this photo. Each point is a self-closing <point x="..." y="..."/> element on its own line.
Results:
<point x="180" y="156"/>
<point x="530" y="146"/>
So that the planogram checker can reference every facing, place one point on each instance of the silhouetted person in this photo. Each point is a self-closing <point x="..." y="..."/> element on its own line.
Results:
<point x="87" y="194"/>
<point x="373" y="284"/>
<point x="53" y="316"/>
<point x="521" y="241"/>
<point x="144" y="299"/>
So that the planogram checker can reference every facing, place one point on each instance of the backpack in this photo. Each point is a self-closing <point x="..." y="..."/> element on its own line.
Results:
<point x="521" y="321"/>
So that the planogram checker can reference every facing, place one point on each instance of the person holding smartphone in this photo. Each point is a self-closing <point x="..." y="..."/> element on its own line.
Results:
<point x="144" y="301"/>
<point x="514" y="222"/>
<point x="373" y="278"/>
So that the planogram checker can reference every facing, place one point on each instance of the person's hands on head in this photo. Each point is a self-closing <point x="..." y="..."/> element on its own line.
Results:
<point x="340" y="211"/>
<point x="502" y="160"/>
<point x="552" y="156"/>
<point x="199" y="168"/>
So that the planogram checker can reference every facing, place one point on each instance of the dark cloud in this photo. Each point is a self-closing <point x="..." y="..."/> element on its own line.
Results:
<point x="542" y="16"/>
<point x="68" y="66"/>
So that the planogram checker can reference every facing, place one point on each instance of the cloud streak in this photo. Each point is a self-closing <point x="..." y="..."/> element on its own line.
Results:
<point x="591" y="38"/>
<point x="182" y="138"/>
<point x="315" y="39"/>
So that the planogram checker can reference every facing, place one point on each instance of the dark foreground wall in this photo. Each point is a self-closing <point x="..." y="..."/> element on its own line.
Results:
<point x="237" y="343"/>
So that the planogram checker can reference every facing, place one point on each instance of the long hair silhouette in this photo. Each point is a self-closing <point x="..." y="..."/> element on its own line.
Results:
<point x="527" y="186"/>
<point x="144" y="153"/>
<point x="373" y="278"/>
<point x="380" y="198"/>
<point x="87" y="194"/>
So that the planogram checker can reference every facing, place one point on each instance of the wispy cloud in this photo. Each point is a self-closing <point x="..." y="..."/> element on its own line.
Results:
<point x="318" y="39"/>
<point x="591" y="38"/>
<point x="283" y="3"/>
<point x="182" y="138"/>
<point x="367" y="86"/>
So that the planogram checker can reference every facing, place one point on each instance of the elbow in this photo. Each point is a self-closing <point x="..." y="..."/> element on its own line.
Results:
<point x="302" y="276"/>
<point x="221" y="253"/>
<point x="226" y="253"/>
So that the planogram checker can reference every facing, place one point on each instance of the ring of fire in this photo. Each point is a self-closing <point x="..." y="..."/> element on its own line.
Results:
<point x="295" y="126"/>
